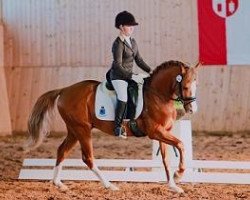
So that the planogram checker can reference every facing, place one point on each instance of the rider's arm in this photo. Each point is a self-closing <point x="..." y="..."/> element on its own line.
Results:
<point x="139" y="61"/>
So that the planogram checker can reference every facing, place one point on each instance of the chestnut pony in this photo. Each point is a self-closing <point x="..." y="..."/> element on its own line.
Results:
<point x="172" y="80"/>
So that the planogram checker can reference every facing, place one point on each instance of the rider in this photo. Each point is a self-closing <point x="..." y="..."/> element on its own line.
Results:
<point x="125" y="52"/>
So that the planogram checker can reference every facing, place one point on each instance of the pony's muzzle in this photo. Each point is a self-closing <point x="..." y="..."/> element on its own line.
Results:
<point x="191" y="108"/>
<point x="194" y="107"/>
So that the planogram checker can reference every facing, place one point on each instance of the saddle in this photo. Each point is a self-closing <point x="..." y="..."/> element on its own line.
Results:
<point x="106" y="100"/>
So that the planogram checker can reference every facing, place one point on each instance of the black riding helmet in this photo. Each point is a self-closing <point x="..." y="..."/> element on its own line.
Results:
<point x="125" y="18"/>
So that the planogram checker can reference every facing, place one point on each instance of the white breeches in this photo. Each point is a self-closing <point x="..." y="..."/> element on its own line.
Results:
<point x="121" y="87"/>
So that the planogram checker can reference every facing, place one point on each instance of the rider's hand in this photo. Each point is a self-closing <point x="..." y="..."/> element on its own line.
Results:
<point x="144" y="75"/>
<point x="138" y="78"/>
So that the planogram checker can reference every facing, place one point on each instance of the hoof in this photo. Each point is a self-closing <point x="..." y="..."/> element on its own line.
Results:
<point x="177" y="177"/>
<point x="61" y="186"/>
<point x="175" y="188"/>
<point x="112" y="187"/>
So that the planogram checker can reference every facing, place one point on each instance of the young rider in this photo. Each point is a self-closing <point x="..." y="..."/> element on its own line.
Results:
<point x="125" y="52"/>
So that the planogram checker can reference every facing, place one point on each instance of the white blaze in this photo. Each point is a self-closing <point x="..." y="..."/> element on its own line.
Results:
<point x="193" y="90"/>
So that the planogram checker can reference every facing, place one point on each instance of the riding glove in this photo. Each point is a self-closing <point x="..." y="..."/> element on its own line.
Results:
<point x="138" y="78"/>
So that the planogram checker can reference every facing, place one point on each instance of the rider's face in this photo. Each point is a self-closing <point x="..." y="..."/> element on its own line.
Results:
<point x="127" y="30"/>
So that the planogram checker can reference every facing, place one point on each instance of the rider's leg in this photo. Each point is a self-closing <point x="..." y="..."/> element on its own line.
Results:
<point x="122" y="96"/>
<point x="119" y="116"/>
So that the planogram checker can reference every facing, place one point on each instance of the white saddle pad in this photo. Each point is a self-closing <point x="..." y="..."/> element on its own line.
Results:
<point x="105" y="102"/>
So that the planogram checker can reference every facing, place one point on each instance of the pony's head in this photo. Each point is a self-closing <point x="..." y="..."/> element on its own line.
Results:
<point x="177" y="81"/>
<point x="186" y="83"/>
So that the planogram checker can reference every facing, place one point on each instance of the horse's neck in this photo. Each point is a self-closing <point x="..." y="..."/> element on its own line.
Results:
<point x="163" y="83"/>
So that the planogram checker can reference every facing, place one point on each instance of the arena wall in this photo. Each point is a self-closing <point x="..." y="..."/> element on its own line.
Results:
<point x="5" y="124"/>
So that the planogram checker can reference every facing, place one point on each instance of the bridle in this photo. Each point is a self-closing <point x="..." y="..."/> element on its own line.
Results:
<point x="184" y="100"/>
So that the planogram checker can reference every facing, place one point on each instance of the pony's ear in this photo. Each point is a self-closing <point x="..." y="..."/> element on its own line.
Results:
<point x="198" y="65"/>
<point x="183" y="70"/>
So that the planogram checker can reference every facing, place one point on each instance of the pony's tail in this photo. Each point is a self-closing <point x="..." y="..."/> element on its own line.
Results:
<point x="38" y="122"/>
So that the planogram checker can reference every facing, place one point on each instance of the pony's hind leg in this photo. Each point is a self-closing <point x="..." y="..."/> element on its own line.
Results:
<point x="84" y="137"/>
<point x="62" y="152"/>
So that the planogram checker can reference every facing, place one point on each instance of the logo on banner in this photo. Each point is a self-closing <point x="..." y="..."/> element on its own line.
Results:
<point x="225" y="8"/>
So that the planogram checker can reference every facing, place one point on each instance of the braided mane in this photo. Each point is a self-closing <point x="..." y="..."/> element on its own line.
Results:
<point x="164" y="66"/>
<point x="168" y="64"/>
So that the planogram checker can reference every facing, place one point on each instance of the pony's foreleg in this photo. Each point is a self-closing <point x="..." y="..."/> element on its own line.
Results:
<point x="179" y="173"/>
<point x="163" y="148"/>
<point x="62" y="152"/>
<point x="164" y="136"/>
<point x="169" y="138"/>
<point x="170" y="180"/>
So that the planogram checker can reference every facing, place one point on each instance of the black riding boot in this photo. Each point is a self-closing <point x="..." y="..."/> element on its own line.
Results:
<point x="119" y="116"/>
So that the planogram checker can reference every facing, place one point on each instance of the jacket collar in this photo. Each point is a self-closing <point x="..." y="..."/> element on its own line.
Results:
<point x="123" y="39"/>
